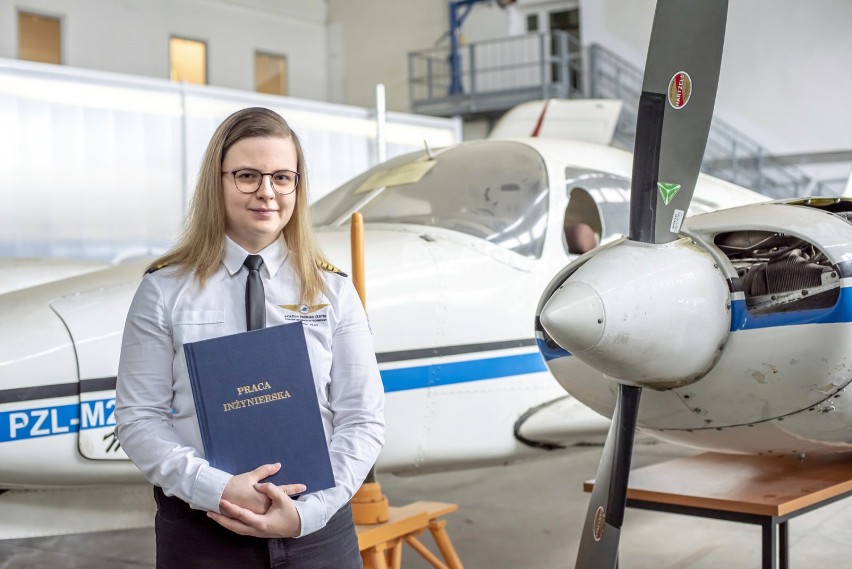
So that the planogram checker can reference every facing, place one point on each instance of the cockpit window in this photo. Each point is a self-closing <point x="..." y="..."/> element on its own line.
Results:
<point x="599" y="200"/>
<point x="495" y="190"/>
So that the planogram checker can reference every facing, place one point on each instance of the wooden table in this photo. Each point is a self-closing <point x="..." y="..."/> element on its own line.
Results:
<point x="381" y="544"/>
<point x="763" y="490"/>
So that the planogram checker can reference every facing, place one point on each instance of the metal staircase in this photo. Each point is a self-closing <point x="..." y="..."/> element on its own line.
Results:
<point x="730" y="155"/>
<point x="498" y="74"/>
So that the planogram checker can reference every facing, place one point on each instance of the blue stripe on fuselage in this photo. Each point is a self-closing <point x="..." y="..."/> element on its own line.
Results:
<point x="742" y="319"/>
<point x="549" y="353"/>
<point x="23" y="424"/>
<point x="62" y="419"/>
<point x="435" y="375"/>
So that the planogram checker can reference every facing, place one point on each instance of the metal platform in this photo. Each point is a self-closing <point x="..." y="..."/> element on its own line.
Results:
<point x="495" y="75"/>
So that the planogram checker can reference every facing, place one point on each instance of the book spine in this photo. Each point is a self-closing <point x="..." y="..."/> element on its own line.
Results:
<point x="200" y="410"/>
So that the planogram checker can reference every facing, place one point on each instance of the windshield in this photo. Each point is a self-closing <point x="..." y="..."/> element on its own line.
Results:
<point x="495" y="190"/>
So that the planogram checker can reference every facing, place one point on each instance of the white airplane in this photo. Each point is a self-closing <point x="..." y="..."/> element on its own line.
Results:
<point x="760" y="365"/>
<point x="459" y="243"/>
<point x="728" y="332"/>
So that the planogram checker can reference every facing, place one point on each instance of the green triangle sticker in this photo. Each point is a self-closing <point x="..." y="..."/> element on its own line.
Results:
<point x="667" y="191"/>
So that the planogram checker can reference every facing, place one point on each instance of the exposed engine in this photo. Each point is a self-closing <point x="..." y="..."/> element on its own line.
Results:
<point x="780" y="272"/>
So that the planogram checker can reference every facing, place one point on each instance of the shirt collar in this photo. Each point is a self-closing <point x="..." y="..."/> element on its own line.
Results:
<point x="273" y="255"/>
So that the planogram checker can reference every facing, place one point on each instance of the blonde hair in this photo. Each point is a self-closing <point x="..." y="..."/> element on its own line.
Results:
<point x="201" y="244"/>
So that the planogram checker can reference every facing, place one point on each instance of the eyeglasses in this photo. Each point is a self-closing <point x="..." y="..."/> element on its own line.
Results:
<point x="248" y="180"/>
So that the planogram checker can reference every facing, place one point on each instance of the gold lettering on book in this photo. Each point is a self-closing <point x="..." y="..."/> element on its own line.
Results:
<point x="256" y="400"/>
<point x="246" y="389"/>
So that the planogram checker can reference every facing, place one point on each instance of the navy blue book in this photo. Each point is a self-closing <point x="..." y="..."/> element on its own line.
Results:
<point x="256" y="403"/>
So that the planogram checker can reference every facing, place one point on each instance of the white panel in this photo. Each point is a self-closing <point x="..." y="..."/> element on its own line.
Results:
<point x="33" y="513"/>
<point x="100" y="166"/>
<point x="780" y="82"/>
<point x="91" y="167"/>
<point x="97" y="342"/>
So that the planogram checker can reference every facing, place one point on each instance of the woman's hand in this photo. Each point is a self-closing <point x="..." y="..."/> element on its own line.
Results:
<point x="281" y="519"/>
<point x="240" y="489"/>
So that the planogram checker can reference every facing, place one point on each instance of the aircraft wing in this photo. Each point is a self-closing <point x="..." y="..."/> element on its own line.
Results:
<point x="21" y="273"/>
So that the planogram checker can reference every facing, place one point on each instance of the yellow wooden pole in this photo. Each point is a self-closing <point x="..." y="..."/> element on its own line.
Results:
<point x="369" y="505"/>
<point x="357" y="242"/>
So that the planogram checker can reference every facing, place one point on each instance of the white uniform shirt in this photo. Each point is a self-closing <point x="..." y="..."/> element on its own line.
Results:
<point x="155" y="413"/>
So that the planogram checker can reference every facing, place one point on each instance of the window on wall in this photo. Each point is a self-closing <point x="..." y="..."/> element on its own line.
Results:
<point x="39" y="38"/>
<point x="532" y="22"/>
<point x="568" y="21"/>
<point x="188" y="61"/>
<point x="270" y="73"/>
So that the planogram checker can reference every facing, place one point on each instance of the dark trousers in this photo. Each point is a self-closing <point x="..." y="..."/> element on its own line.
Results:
<point x="188" y="539"/>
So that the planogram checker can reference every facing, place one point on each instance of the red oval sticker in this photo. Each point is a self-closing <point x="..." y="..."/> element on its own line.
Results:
<point x="680" y="88"/>
<point x="598" y="528"/>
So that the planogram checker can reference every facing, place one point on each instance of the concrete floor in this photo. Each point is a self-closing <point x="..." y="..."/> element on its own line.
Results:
<point x="521" y="516"/>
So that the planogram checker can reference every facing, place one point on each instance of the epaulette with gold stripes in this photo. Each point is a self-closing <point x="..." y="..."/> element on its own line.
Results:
<point x="156" y="268"/>
<point x="330" y="268"/>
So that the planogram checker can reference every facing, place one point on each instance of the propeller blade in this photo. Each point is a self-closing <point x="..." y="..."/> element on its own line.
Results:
<point x="605" y="516"/>
<point x="675" y="110"/>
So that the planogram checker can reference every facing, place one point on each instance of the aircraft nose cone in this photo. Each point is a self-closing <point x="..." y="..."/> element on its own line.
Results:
<point x="651" y="315"/>
<point x="574" y="317"/>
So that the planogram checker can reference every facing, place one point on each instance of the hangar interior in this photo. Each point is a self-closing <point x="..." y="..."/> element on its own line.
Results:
<point x="777" y="129"/>
<point x="107" y="88"/>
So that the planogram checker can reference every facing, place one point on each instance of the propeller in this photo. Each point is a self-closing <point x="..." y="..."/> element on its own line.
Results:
<point x="675" y="110"/>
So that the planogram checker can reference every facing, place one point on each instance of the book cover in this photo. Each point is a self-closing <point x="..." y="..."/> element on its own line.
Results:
<point x="256" y="404"/>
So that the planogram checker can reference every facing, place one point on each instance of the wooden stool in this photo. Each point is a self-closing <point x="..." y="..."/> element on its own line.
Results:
<point x="381" y="544"/>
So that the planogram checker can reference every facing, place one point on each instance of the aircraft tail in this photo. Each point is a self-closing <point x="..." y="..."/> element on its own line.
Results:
<point x="588" y="120"/>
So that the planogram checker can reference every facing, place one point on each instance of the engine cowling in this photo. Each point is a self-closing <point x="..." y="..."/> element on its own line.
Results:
<point x="650" y="315"/>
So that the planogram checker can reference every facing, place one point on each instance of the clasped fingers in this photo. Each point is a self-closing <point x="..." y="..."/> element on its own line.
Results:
<point x="280" y="520"/>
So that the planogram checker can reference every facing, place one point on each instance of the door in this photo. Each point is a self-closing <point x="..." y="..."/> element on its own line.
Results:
<point x="567" y="21"/>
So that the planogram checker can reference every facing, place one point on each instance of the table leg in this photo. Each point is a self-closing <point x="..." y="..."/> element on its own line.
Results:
<point x="424" y="553"/>
<point x="770" y="544"/>
<point x="783" y="546"/>
<point x="374" y="559"/>
<point x="445" y="546"/>
<point x="396" y="555"/>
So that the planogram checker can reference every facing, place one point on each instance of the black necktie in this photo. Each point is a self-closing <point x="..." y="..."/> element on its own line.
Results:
<point x="255" y="299"/>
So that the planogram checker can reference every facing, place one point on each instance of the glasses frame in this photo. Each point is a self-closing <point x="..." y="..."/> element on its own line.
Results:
<point x="233" y="174"/>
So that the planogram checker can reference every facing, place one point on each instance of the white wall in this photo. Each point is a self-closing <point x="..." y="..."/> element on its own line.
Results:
<point x="372" y="40"/>
<point x="786" y="72"/>
<point x="785" y="81"/>
<point x="485" y="22"/>
<point x="131" y="36"/>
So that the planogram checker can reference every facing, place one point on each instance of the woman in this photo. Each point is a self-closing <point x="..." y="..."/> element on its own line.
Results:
<point x="250" y="205"/>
